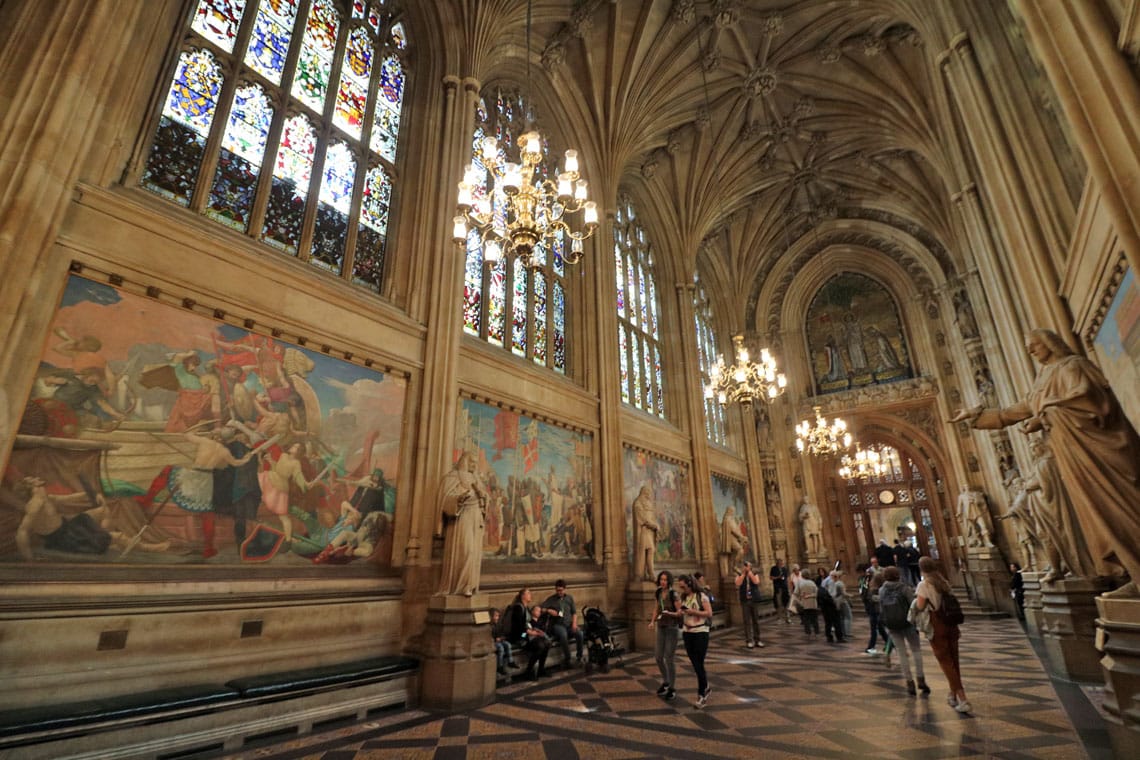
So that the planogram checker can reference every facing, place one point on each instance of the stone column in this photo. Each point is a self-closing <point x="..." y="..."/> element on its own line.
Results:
<point x="1118" y="638"/>
<point x="459" y="661"/>
<point x="1068" y="628"/>
<point x="1075" y="43"/>
<point x="990" y="576"/>
<point x="1014" y="214"/>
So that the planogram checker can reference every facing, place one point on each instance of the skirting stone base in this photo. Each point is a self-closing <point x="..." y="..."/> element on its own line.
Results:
<point x="641" y="598"/>
<point x="989" y="575"/>
<point x="1068" y="628"/>
<point x="458" y="671"/>
<point x="1034" y="615"/>
<point x="1118" y="637"/>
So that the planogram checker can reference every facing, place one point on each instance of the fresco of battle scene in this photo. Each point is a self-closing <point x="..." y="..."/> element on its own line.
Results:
<point x="154" y="435"/>
<point x="672" y="498"/>
<point x="855" y="336"/>
<point x="1118" y="346"/>
<point x="539" y="484"/>
<point x="734" y="538"/>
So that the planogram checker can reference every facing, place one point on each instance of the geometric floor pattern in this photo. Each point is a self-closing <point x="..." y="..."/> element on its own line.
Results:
<point x="793" y="699"/>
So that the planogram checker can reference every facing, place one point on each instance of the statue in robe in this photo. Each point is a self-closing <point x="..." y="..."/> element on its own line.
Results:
<point x="462" y="506"/>
<point x="812" y="524"/>
<point x="732" y="542"/>
<point x="645" y="530"/>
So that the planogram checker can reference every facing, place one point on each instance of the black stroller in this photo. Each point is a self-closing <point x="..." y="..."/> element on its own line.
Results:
<point x="599" y="642"/>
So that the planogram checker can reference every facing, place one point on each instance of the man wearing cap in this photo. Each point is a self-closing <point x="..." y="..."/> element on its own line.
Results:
<point x="564" y="621"/>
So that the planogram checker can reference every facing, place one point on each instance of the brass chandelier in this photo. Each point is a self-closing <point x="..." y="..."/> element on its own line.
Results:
<point x="823" y="438"/>
<point x="519" y="208"/>
<point x="862" y="464"/>
<point x="745" y="381"/>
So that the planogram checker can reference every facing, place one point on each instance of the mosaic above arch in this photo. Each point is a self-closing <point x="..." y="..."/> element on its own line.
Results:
<point x="854" y="335"/>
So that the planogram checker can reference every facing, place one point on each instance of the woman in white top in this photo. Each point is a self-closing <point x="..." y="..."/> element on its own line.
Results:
<point x="944" y="642"/>
<point x="696" y="616"/>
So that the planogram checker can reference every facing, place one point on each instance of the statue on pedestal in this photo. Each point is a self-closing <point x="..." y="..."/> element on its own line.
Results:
<point x="732" y="542"/>
<point x="812" y="525"/>
<point x="1024" y="518"/>
<point x="1095" y="449"/>
<point x="1060" y="532"/>
<point x="462" y="506"/>
<point x="645" y="529"/>
<point x="975" y="518"/>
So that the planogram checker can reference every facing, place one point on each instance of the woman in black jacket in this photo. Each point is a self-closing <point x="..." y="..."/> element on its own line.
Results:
<point x="528" y="637"/>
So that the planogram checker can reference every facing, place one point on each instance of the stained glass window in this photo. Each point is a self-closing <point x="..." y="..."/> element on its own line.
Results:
<point x="310" y="169"/>
<point x="534" y="299"/>
<point x="637" y="309"/>
<point x="707" y="353"/>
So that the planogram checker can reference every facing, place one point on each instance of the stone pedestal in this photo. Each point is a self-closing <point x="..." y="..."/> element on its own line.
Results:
<point x="1118" y="637"/>
<point x="731" y="599"/>
<point x="989" y="576"/>
<point x="1033" y="612"/>
<point x="640" y="599"/>
<point x="458" y="670"/>
<point x="1068" y="628"/>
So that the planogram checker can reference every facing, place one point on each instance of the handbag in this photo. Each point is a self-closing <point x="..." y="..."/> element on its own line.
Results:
<point x="920" y="619"/>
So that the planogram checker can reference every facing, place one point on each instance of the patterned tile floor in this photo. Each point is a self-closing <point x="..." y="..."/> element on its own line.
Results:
<point x="792" y="699"/>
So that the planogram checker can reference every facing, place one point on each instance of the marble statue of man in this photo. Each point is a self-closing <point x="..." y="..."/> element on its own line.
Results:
<point x="1024" y="516"/>
<point x="812" y="524"/>
<point x="975" y="518"/>
<point x="1059" y="529"/>
<point x="731" y="542"/>
<point x="462" y="504"/>
<point x="1095" y="449"/>
<point x="645" y="529"/>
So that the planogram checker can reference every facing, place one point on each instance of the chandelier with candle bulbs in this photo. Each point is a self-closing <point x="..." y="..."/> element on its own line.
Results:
<point x="515" y="207"/>
<point x="823" y="438"/>
<point x="862" y="464"/>
<point x="746" y="380"/>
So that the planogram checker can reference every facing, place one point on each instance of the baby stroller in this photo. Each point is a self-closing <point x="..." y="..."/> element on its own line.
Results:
<point x="599" y="642"/>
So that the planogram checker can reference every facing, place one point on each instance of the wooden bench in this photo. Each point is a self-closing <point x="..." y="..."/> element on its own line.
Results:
<point x="208" y="717"/>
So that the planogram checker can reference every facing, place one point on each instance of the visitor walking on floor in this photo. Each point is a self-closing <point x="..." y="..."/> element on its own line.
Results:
<point x="667" y="620"/>
<point x="932" y="593"/>
<point x="697" y="613"/>
<point x="895" y="598"/>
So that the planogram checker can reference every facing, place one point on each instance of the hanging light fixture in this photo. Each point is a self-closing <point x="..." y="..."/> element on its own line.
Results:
<point x="824" y="438"/>
<point x="521" y="208"/>
<point x="745" y="381"/>
<point x="862" y="464"/>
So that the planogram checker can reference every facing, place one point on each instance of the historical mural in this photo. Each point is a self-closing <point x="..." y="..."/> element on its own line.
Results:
<point x="672" y="501"/>
<point x="855" y="336"/>
<point x="1118" y="346"/>
<point x="156" y="435"/>
<point x="539" y="484"/>
<point x="734" y="537"/>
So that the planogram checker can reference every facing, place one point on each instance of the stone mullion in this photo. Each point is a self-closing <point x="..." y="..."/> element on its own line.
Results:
<point x="46" y="134"/>
<point x="691" y="396"/>
<point x="1101" y="98"/>
<point x="758" y="522"/>
<point x="439" y="393"/>
<point x="1014" y="214"/>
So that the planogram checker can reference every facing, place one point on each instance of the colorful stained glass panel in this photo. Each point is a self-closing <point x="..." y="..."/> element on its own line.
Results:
<point x="473" y="284"/>
<point x="334" y="207"/>
<point x="314" y="66"/>
<point x="218" y="21"/>
<point x="558" y="313"/>
<point x="519" y="309"/>
<point x="352" y="95"/>
<point x="497" y="303"/>
<point x="390" y="99"/>
<point x="269" y="44"/>
<point x="239" y="164"/>
<point x="539" y="318"/>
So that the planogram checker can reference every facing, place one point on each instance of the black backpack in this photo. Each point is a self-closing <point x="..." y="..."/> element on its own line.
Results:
<point x="893" y="607"/>
<point x="951" y="610"/>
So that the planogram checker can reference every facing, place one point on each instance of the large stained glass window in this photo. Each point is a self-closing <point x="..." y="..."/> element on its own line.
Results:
<point x="715" y="418"/>
<point x="638" y="314"/>
<point x="282" y="122"/>
<point x="504" y="303"/>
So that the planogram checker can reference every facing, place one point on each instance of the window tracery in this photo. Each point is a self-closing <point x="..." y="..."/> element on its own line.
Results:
<point x="638" y="314"/>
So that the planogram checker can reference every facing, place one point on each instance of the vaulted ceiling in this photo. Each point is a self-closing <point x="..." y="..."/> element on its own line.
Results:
<point x="745" y="128"/>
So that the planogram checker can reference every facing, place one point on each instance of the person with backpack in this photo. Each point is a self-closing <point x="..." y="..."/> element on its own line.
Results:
<point x="696" y="617"/>
<point x="934" y="592"/>
<point x="895" y="598"/>
<point x="667" y="620"/>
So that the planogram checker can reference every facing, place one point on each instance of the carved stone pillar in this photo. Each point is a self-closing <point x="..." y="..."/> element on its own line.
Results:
<point x="458" y="669"/>
<point x="1118" y="638"/>
<point x="640" y="599"/>
<point x="1075" y="43"/>
<point x="1068" y="628"/>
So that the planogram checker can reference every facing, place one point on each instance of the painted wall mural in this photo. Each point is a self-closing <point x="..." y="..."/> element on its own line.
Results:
<point x="539" y="481"/>
<point x="855" y="335"/>
<point x="672" y="499"/>
<point x="155" y="435"/>
<point x="734" y="536"/>
<point x="1117" y="346"/>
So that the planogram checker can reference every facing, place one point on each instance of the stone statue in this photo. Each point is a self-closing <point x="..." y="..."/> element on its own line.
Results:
<point x="975" y="518"/>
<point x="462" y="506"/>
<point x="1059" y="530"/>
<point x="1095" y="449"/>
<point x="1024" y="518"/>
<point x="732" y="542"/>
<point x="645" y="529"/>
<point x="964" y="315"/>
<point x="812" y="525"/>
